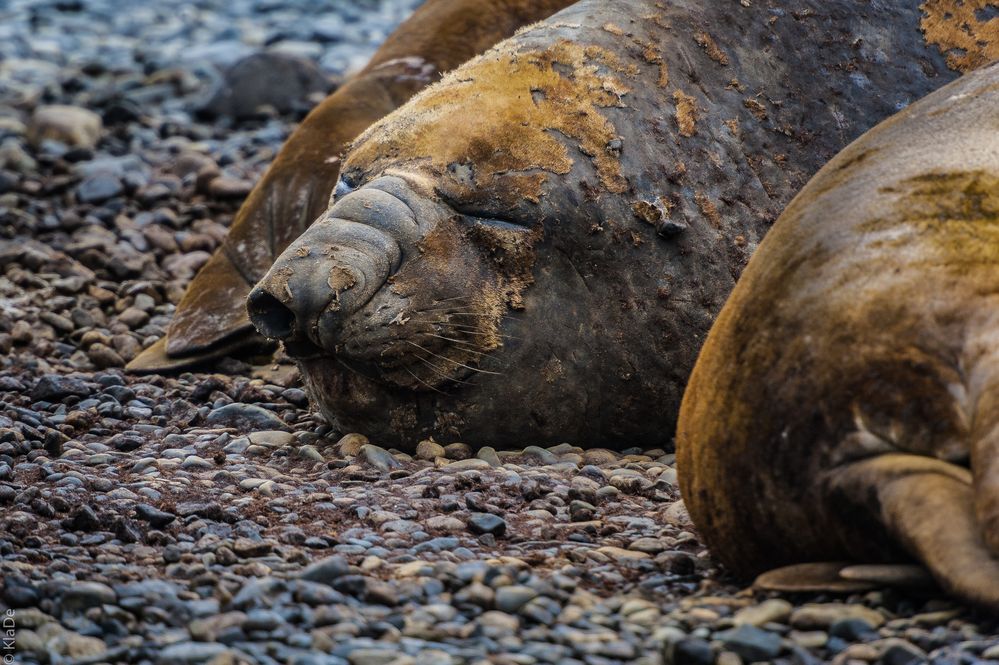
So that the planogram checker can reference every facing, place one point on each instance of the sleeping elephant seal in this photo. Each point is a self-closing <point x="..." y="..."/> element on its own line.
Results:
<point x="533" y="249"/>
<point x="846" y="403"/>
<point x="210" y="320"/>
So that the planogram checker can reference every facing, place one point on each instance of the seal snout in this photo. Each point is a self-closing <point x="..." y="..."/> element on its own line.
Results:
<point x="333" y="270"/>
<point x="326" y="275"/>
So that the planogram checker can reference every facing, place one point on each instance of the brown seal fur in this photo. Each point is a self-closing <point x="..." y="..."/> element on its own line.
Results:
<point x="846" y="402"/>
<point x="534" y="248"/>
<point x="210" y="319"/>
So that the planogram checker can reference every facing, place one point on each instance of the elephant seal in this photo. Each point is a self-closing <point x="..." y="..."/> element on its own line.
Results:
<point x="533" y="249"/>
<point x="846" y="403"/>
<point x="210" y="320"/>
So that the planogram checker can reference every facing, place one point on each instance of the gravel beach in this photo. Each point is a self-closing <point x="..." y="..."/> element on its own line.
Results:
<point x="213" y="517"/>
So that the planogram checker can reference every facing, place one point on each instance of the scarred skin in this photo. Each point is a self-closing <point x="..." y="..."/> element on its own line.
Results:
<point x="211" y="320"/>
<point x="533" y="249"/>
<point x="846" y="403"/>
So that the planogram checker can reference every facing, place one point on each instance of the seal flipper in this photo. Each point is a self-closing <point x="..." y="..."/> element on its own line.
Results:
<point x="985" y="468"/>
<point x="814" y="577"/>
<point x="210" y="322"/>
<point x="155" y="359"/>
<point x="840" y="577"/>
<point x="929" y="507"/>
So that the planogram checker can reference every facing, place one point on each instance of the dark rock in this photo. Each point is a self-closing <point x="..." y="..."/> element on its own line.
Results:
<point x="16" y="594"/>
<point x="208" y="510"/>
<point x="54" y="387"/>
<point x="265" y="79"/>
<point x="903" y="653"/>
<point x="99" y="188"/>
<point x="853" y="630"/>
<point x="83" y="595"/>
<point x="750" y="643"/>
<point x="156" y="518"/>
<point x="482" y="523"/>
<point x="352" y="585"/>
<point x="326" y="570"/>
<point x="85" y="519"/>
<point x="245" y="416"/>
<point x="259" y="592"/>
<point x="126" y="531"/>
<point x="378" y="457"/>
<point x="690" y="651"/>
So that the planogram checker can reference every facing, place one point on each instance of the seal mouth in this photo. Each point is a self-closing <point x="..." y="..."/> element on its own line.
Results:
<point x="428" y="349"/>
<point x="441" y="346"/>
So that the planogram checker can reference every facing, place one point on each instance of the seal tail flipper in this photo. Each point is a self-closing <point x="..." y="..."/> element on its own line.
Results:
<point x="929" y="507"/>
<point x="985" y="469"/>
<point x="813" y="577"/>
<point x="841" y="577"/>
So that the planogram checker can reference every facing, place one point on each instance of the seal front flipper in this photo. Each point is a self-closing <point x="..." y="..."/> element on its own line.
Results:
<point x="155" y="359"/>
<point x="928" y="506"/>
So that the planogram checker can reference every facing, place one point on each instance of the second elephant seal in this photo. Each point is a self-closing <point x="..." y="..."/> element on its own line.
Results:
<point x="846" y="403"/>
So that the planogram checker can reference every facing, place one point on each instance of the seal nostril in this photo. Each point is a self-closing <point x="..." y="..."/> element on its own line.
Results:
<point x="269" y="316"/>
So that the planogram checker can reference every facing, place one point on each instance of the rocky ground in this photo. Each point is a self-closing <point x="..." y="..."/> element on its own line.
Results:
<point x="215" y="518"/>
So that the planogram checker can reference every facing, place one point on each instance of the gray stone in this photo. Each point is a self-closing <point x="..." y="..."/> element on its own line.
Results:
<point x="83" y="595"/>
<point x="191" y="653"/>
<point x="99" y="188"/>
<point x="265" y="79"/>
<point x="510" y="599"/>
<point x="480" y="523"/>
<point x="751" y="643"/>
<point x="326" y="570"/>
<point x="378" y="457"/>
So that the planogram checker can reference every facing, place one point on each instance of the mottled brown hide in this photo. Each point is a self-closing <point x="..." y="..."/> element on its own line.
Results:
<point x="966" y="31"/>
<point x="846" y="397"/>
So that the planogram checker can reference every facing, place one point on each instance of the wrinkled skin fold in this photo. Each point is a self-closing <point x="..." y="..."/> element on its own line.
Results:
<point x="556" y="223"/>
<point x="846" y="397"/>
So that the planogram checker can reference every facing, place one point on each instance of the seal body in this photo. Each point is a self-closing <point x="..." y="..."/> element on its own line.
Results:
<point x="559" y="220"/>
<point x="846" y="402"/>
<point x="210" y="320"/>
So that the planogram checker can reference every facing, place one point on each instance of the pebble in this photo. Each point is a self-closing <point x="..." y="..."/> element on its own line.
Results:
<point x="99" y="188"/>
<point x="775" y="610"/>
<point x="272" y="80"/>
<point x="822" y="616"/>
<point x="71" y="125"/>
<point x="429" y="450"/>
<point x="378" y="457"/>
<point x="750" y="643"/>
<point x="510" y="599"/>
<point x="326" y="570"/>
<point x="192" y="653"/>
<point x="243" y="417"/>
<point x="83" y="595"/>
<point x="468" y="465"/>
<point x="482" y="523"/>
